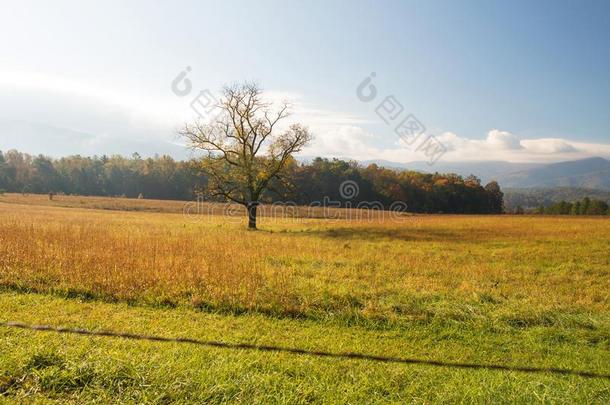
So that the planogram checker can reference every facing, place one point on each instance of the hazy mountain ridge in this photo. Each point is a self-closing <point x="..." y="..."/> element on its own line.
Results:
<point x="590" y="173"/>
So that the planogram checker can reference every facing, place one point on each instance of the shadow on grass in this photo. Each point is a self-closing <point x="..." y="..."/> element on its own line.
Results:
<point x="405" y="233"/>
<point x="317" y="353"/>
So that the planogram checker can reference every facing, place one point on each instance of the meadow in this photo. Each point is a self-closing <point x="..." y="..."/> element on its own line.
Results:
<point x="513" y="290"/>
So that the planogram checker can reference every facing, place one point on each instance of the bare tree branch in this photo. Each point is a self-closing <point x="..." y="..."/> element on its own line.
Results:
<point x="244" y="152"/>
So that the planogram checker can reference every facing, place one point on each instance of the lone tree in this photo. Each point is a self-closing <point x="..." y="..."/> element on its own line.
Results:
<point x="245" y="151"/>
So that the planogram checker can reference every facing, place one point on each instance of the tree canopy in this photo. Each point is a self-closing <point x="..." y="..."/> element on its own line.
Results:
<point x="162" y="177"/>
<point x="245" y="149"/>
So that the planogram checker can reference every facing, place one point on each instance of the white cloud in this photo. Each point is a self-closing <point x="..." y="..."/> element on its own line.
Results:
<point x="346" y="141"/>
<point x="503" y="140"/>
<point x="549" y="145"/>
<point x="354" y="142"/>
<point x="502" y="145"/>
<point x="140" y="111"/>
<point x="46" y="114"/>
<point x="319" y="119"/>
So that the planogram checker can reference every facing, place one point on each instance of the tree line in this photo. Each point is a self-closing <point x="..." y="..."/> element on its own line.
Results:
<point x="529" y="199"/>
<point x="162" y="177"/>
<point x="586" y="206"/>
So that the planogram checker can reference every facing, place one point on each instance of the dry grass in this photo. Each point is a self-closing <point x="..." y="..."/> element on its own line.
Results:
<point x="519" y="270"/>
<point x="195" y="209"/>
<point x="510" y="290"/>
<point x="102" y="203"/>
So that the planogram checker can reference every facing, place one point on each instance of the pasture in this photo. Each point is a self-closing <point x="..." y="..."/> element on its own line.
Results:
<point x="509" y="290"/>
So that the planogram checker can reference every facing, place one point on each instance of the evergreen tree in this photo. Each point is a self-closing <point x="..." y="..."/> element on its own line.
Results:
<point x="597" y="207"/>
<point x="584" y="207"/>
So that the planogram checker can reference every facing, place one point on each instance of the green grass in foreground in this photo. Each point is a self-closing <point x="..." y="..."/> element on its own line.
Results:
<point x="47" y="367"/>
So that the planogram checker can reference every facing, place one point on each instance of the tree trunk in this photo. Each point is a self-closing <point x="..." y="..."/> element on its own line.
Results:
<point x="251" y="207"/>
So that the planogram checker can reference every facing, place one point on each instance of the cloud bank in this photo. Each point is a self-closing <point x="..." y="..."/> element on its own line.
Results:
<point x="356" y="143"/>
<point x="56" y="116"/>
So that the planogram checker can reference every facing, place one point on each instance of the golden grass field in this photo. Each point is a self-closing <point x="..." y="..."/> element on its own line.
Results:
<point x="417" y="267"/>
<point x="474" y="288"/>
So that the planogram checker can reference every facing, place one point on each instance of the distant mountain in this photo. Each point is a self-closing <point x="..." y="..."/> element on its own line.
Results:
<point x="485" y="170"/>
<point x="591" y="173"/>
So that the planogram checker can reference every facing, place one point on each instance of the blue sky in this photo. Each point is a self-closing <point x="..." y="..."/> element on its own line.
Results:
<point x="519" y="81"/>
